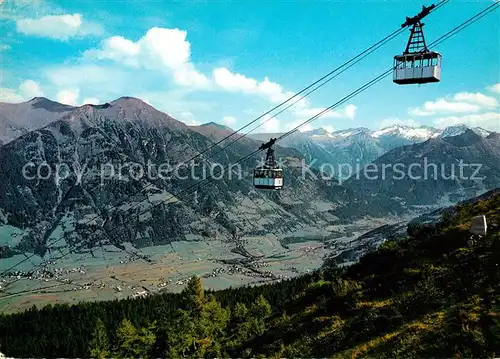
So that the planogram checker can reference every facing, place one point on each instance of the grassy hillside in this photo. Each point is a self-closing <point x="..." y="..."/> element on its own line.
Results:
<point x="435" y="293"/>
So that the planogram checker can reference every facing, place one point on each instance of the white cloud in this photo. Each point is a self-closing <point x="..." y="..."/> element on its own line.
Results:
<point x="30" y="89"/>
<point x="168" y="51"/>
<point x="26" y="91"/>
<point x="97" y="81"/>
<point x="229" y="120"/>
<point x="177" y="102"/>
<point x="159" y="49"/>
<point x="350" y="111"/>
<point x="68" y="96"/>
<point x="59" y="27"/>
<point x="495" y="88"/>
<point x="270" y="124"/>
<point x="10" y="95"/>
<point x="235" y="82"/>
<point x="489" y="121"/>
<point x="433" y="107"/>
<point x="460" y="103"/>
<point x="119" y="49"/>
<point x="388" y="122"/>
<point x="477" y="98"/>
<point x="90" y="101"/>
<point x="329" y="128"/>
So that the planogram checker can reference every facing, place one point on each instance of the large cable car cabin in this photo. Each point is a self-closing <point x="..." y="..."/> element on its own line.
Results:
<point x="268" y="176"/>
<point x="417" y="64"/>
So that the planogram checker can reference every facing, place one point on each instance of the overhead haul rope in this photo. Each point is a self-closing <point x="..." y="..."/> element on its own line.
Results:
<point x="446" y="36"/>
<point x="452" y="32"/>
<point x="443" y="38"/>
<point x="256" y="151"/>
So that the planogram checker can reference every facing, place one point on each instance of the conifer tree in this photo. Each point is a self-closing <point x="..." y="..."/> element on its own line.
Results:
<point x="99" y="345"/>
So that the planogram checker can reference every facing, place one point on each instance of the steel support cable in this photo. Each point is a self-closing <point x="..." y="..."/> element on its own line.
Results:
<point x="359" y="90"/>
<point x="446" y="36"/>
<point x="369" y="84"/>
<point x="361" y="55"/>
<point x="346" y="98"/>
<point x="441" y="39"/>
<point x="317" y="84"/>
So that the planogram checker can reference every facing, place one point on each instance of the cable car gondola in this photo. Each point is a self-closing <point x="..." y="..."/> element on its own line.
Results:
<point x="417" y="64"/>
<point x="268" y="176"/>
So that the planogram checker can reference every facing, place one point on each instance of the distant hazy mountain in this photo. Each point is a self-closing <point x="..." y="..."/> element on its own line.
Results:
<point x="358" y="146"/>
<point x="445" y="168"/>
<point x="17" y="119"/>
<point x="460" y="129"/>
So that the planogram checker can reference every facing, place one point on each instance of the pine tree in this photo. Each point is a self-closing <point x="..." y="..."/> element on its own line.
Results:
<point x="193" y="295"/>
<point x="99" y="345"/>
<point x="126" y="338"/>
<point x="259" y="312"/>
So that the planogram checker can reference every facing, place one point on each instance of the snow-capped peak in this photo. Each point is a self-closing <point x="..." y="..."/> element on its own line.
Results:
<point x="452" y="131"/>
<point x="457" y="130"/>
<point x="481" y="131"/>
<point x="410" y="133"/>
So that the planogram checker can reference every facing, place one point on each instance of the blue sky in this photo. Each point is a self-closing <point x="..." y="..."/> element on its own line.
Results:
<point x="230" y="61"/>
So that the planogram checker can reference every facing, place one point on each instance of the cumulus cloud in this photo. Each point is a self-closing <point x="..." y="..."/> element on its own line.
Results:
<point x="443" y="106"/>
<point x="235" y="82"/>
<point x="59" y="27"/>
<point x="26" y="91"/>
<point x="350" y="111"/>
<point x="489" y="121"/>
<point x="10" y="95"/>
<point x="108" y="80"/>
<point x="477" y="98"/>
<point x="167" y="51"/>
<point x="229" y="120"/>
<point x="270" y="124"/>
<point x="159" y="49"/>
<point x="30" y="89"/>
<point x="68" y="96"/>
<point x="388" y="122"/>
<point x="495" y="88"/>
<point x="460" y="103"/>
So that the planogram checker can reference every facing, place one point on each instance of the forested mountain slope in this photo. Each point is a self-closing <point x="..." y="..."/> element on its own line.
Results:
<point x="124" y="172"/>
<point x="434" y="293"/>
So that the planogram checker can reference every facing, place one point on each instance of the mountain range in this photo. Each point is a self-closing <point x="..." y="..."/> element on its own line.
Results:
<point x="359" y="146"/>
<point x="74" y="170"/>
<point x="91" y="207"/>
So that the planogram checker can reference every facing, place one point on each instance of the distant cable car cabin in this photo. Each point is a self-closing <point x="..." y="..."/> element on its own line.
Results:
<point x="417" y="64"/>
<point x="268" y="176"/>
